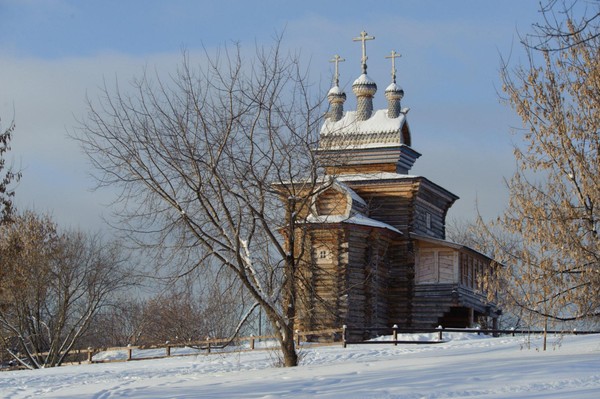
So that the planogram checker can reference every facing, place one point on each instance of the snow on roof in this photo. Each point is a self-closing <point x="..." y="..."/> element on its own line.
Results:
<point x="364" y="79"/>
<point x="355" y="219"/>
<point x="355" y="197"/>
<point x="374" y="176"/>
<point x="359" y="141"/>
<point x="380" y="122"/>
<point x="350" y="177"/>
<point x="446" y="243"/>
<point x="393" y="87"/>
<point x="389" y="177"/>
<point x="357" y="177"/>
<point x="335" y="90"/>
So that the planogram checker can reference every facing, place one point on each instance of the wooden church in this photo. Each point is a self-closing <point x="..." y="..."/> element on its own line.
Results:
<point x="378" y="251"/>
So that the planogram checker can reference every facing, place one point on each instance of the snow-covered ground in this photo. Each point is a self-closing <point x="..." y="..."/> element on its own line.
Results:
<point x="465" y="367"/>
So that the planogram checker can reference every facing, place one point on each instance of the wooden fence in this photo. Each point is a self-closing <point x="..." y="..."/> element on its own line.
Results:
<point x="212" y="345"/>
<point x="344" y="335"/>
<point x="208" y="346"/>
<point x="347" y="333"/>
<point x="316" y="337"/>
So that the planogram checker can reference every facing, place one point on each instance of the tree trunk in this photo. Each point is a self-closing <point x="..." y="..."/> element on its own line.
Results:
<point x="288" y="348"/>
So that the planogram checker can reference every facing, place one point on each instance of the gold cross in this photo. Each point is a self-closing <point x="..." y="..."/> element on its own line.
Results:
<point x="363" y="38"/>
<point x="393" y="55"/>
<point x="337" y="59"/>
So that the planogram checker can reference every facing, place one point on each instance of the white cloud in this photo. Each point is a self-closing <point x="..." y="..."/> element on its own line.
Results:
<point x="47" y="97"/>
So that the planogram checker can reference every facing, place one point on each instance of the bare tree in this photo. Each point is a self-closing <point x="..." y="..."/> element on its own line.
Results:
<point x="7" y="175"/>
<point x="119" y="324"/>
<point x="467" y="233"/>
<point x="548" y="237"/>
<point x="53" y="284"/>
<point x="188" y="308"/>
<point x="564" y="19"/>
<point x="205" y="163"/>
<point x="186" y="312"/>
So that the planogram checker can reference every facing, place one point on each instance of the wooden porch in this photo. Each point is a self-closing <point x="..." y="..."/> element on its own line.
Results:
<point x="449" y="287"/>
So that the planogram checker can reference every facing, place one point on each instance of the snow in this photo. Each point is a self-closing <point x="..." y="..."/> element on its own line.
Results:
<point x="471" y="367"/>
<point x="335" y="90"/>
<point x="375" y="176"/>
<point x="355" y="197"/>
<point x="379" y="122"/>
<point x="353" y="177"/>
<point x="393" y="87"/>
<point x="355" y="219"/>
<point x="363" y="79"/>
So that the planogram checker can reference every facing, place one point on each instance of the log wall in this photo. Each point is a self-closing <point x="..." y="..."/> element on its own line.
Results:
<point x="400" y="283"/>
<point x="367" y="276"/>
<point x="320" y="301"/>
<point x="410" y="204"/>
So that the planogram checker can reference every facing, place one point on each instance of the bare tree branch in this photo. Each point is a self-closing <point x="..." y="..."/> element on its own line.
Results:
<point x="205" y="163"/>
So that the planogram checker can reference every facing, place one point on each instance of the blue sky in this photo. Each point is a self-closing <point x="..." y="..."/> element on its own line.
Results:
<point x="55" y="52"/>
<point x="55" y="28"/>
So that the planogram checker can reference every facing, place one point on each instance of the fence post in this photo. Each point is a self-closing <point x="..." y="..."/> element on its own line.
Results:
<point x="440" y="328"/>
<point x="129" y="352"/>
<point x="344" y="335"/>
<point x="495" y="327"/>
<point x="168" y="349"/>
<point x="89" y="354"/>
<point x="513" y="331"/>
<point x="208" y="345"/>
<point x="298" y="337"/>
<point x="252" y="342"/>
<point x="395" y="334"/>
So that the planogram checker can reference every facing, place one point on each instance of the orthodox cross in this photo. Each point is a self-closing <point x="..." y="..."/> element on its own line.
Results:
<point x="337" y="59"/>
<point x="393" y="55"/>
<point x="363" y="38"/>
